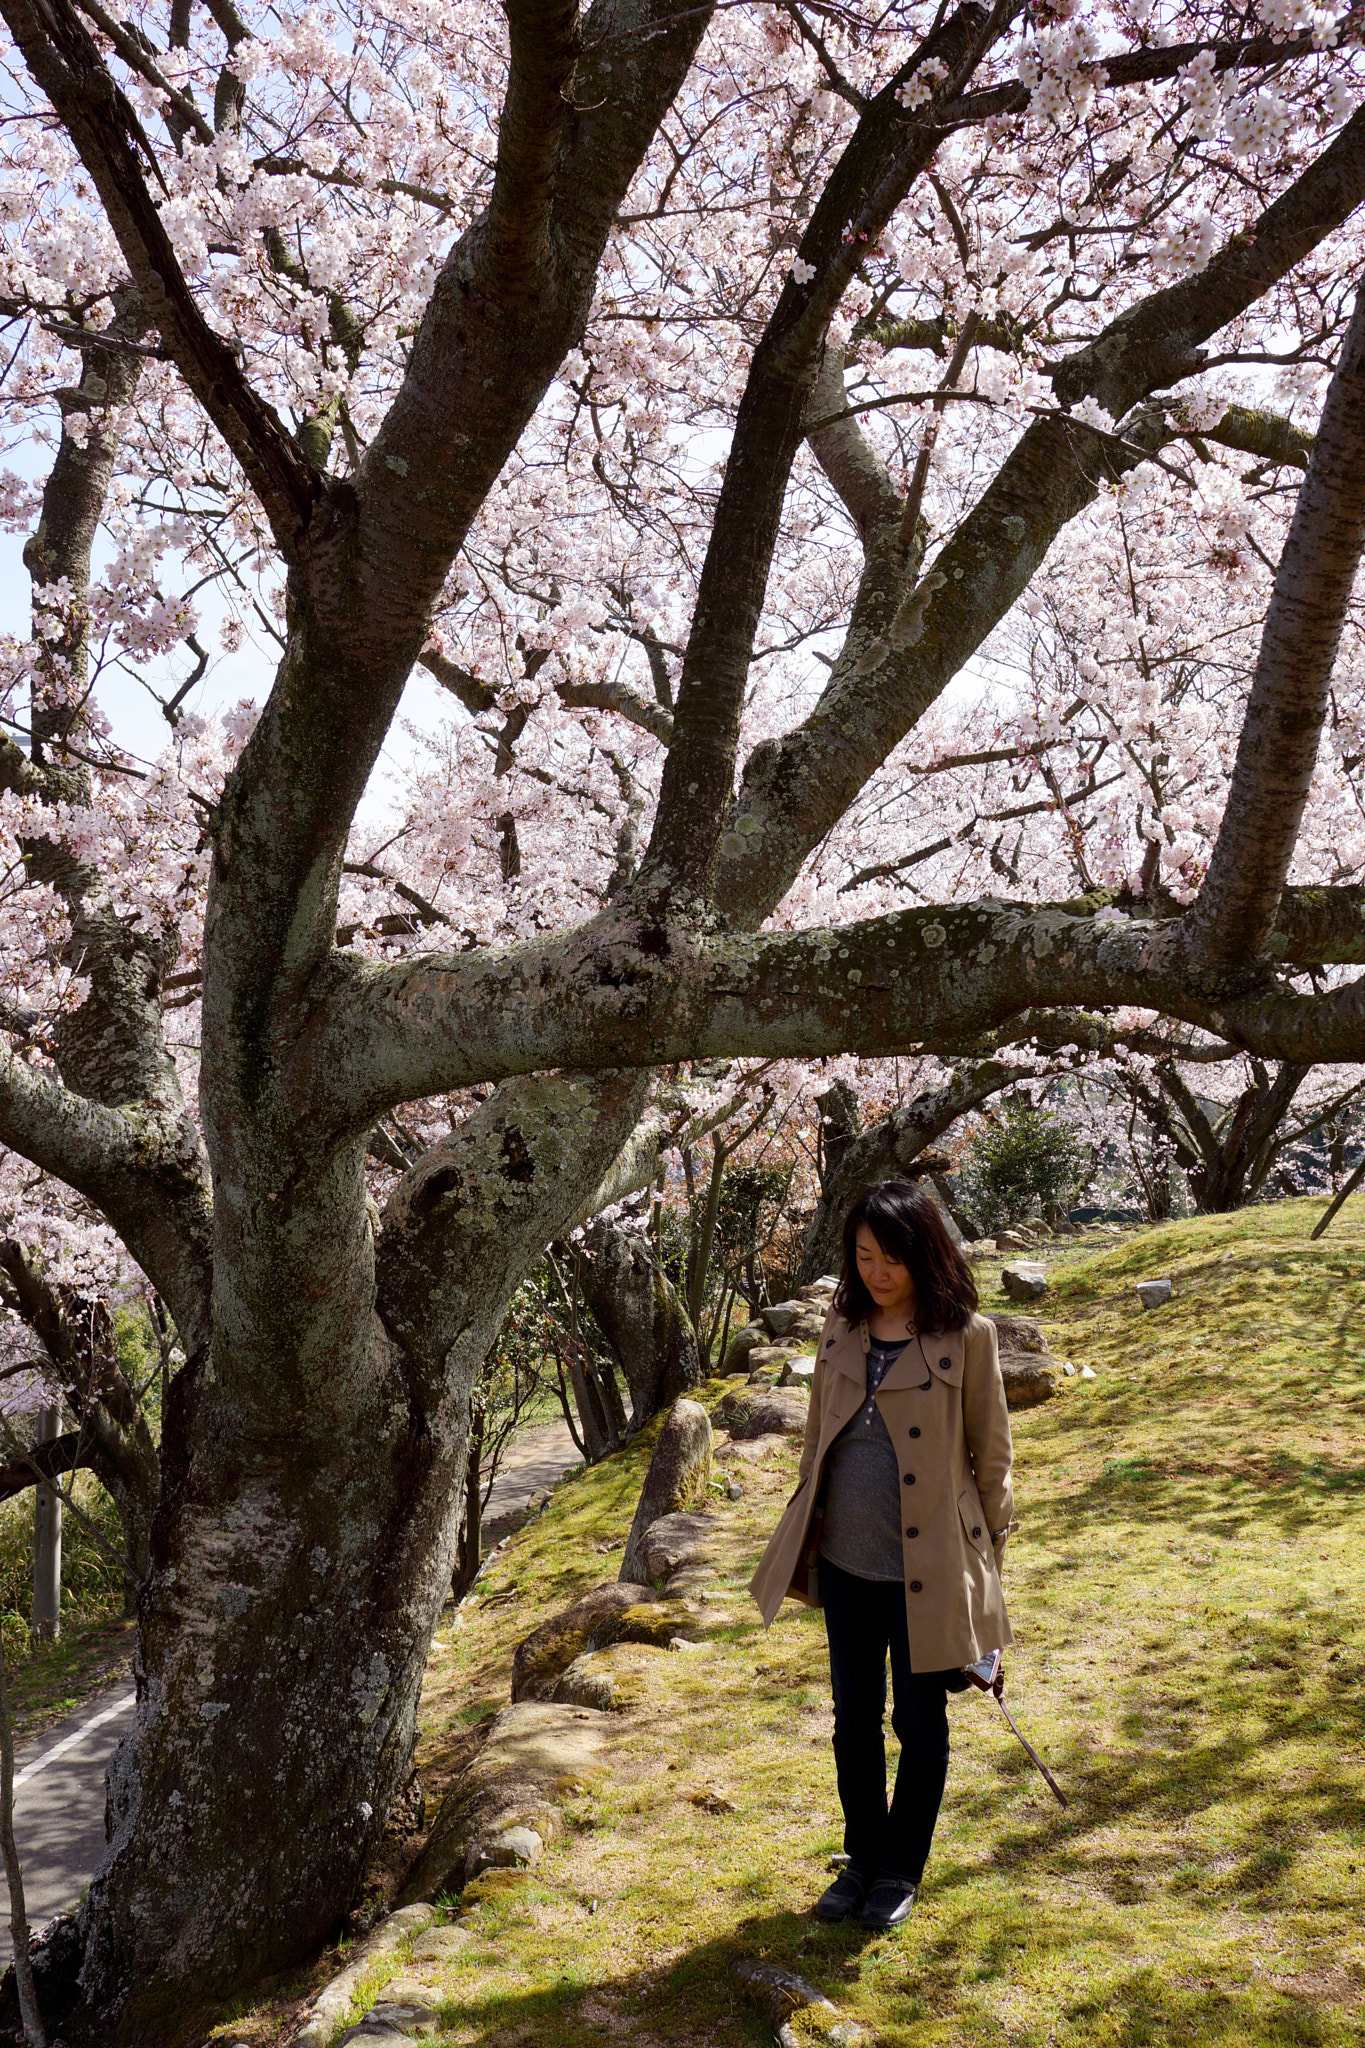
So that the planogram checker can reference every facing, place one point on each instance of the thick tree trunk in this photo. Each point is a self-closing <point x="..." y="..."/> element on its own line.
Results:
<point x="283" y="1639"/>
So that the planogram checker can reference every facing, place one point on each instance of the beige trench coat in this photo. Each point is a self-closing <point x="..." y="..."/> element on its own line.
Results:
<point x="943" y="1403"/>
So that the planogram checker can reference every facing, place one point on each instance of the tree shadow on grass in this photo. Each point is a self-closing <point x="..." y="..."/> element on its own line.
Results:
<point x="1202" y="1492"/>
<point x="1239" y="1736"/>
<point x="931" y="1981"/>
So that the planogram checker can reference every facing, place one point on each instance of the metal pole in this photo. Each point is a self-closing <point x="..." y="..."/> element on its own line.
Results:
<point x="47" y="1542"/>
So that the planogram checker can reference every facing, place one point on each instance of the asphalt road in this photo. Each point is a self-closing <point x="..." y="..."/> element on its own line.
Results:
<point x="59" y="1779"/>
<point x="59" y="1807"/>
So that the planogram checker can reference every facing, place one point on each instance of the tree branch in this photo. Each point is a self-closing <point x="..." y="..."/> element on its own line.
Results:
<point x="544" y="44"/>
<point x="1233" y="917"/>
<point x="104" y="130"/>
<point x="876" y="169"/>
<point x="60" y="1454"/>
<point x="793" y="789"/>
<point x="606" y="695"/>
<point x="629" y="992"/>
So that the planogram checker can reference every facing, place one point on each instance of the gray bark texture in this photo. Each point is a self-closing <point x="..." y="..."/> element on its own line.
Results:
<point x="314" y="1444"/>
<point x="642" y="1317"/>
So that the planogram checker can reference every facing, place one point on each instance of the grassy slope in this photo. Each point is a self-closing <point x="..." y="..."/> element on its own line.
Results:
<point x="1184" y="1586"/>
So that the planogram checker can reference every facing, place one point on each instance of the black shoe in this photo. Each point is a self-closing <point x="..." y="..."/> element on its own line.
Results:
<point x="890" y="1900"/>
<point x="842" y="1899"/>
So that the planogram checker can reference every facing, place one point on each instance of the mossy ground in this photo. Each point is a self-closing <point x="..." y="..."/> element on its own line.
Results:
<point x="1184" y="1584"/>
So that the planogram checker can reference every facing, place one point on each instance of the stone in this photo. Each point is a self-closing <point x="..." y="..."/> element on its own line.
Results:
<point x="586" y="1684"/>
<point x="535" y="1751"/>
<point x="1068" y="1368"/>
<point x="1018" y="1333"/>
<point x="767" y="1363"/>
<point x="751" y="1412"/>
<point x="1152" y="1293"/>
<point x="711" y="1801"/>
<point x="800" y="1371"/>
<point x="514" y="1849"/>
<point x="678" y="1476"/>
<point x="442" y="1945"/>
<point x="1013" y="1240"/>
<point x="677" y="1540"/>
<point x="1025" y="1280"/>
<point x="780" y="1994"/>
<point x="982" y="1248"/>
<point x="1027" y="1379"/>
<point x="396" y="2019"/>
<point x="552" y="1647"/>
<point x="612" y="1679"/>
<point x="820" y="1293"/>
<point x="547" y="1742"/>
<point x="778" y="1318"/>
<point x="1086" y="1373"/>
<point x="657" y="1621"/>
<point x="332" y="2003"/>
<point x="741" y="1344"/>
<point x="754" y="1451"/>
<point x="411" y="1988"/>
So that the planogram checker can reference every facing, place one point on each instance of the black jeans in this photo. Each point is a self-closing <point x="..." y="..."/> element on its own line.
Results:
<point x="864" y="1619"/>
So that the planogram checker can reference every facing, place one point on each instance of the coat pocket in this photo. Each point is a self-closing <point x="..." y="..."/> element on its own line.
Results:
<point x="974" y="1521"/>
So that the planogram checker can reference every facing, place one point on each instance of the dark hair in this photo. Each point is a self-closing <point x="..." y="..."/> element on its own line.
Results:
<point x="908" y="1225"/>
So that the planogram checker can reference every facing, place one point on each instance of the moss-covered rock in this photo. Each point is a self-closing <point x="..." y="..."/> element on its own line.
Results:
<point x="678" y="1477"/>
<point x="762" y="1411"/>
<point x="1028" y="1379"/>
<point x="657" y="1622"/>
<point x="552" y="1648"/>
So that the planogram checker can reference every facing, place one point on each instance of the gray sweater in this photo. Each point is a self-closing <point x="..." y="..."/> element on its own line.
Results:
<point x="862" y="1529"/>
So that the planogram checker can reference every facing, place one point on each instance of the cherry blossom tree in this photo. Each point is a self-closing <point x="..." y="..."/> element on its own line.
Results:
<point x="692" y="395"/>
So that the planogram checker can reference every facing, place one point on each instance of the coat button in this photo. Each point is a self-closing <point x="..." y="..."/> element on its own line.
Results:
<point x="909" y="1478"/>
<point x="976" y="1532"/>
<point x="829" y="1344"/>
<point x="945" y="1365"/>
<point x="912" y="1532"/>
<point x="915" y="1586"/>
<point x="914" y="1432"/>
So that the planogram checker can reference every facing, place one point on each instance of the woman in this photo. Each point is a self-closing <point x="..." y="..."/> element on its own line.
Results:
<point x="904" y="1490"/>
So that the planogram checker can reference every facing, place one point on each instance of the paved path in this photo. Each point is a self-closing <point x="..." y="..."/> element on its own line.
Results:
<point x="535" y="1459"/>
<point x="59" y="1807"/>
<point x="59" y="1779"/>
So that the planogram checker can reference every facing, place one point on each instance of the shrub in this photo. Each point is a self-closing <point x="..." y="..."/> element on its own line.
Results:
<point x="1024" y="1158"/>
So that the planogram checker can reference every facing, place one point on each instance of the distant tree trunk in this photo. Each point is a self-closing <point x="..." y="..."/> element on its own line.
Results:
<point x="47" y="1542"/>
<point x="471" y="1534"/>
<point x="968" y="1225"/>
<point x="642" y="1317"/>
<point x="1235" y="1153"/>
<point x="77" y="1333"/>
<point x="898" y="1145"/>
<point x="704" y="1238"/>
<point x="839" y="1126"/>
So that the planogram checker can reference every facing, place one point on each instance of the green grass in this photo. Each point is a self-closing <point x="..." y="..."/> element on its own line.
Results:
<point x="1185" y="1585"/>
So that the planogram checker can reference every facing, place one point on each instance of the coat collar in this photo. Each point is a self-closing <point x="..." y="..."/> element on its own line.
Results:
<point x="846" y="1346"/>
